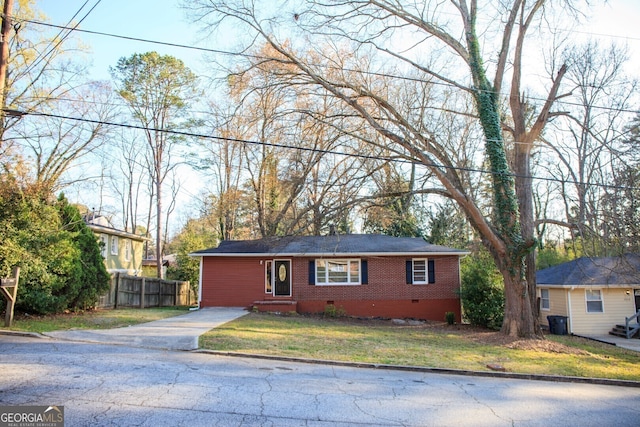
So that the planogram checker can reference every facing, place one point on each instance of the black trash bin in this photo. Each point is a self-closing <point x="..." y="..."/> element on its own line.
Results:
<point x="558" y="325"/>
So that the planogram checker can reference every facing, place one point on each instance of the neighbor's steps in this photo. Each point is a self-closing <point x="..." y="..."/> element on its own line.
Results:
<point x="620" y="331"/>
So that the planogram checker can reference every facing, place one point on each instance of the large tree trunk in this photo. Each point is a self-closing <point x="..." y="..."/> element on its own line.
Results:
<point x="524" y="192"/>
<point x="519" y="320"/>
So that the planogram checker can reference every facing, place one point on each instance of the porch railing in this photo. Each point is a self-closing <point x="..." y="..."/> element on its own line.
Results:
<point x="631" y="329"/>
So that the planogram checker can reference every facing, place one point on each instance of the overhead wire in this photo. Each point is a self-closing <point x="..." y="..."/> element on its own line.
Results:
<point x="219" y="51"/>
<point x="41" y="57"/>
<point x="259" y="57"/>
<point x="322" y="151"/>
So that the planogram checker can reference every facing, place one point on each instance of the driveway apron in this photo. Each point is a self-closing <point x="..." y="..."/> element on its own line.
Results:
<point x="174" y="333"/>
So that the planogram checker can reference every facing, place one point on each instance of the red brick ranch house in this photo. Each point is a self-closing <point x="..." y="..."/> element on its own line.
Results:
<point x="361" y="274"/>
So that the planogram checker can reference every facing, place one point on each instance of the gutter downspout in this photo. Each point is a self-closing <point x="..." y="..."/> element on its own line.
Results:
<point x="460" y="258"/>
<point x="200" y="284"/>
<point x="570" y="311"/>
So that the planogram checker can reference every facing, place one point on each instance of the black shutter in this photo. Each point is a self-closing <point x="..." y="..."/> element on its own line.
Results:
<point x="431" y="271"/>
<point x="364" y="271"/>
<point x="312" y="272"/>
<point x="409" y="272"/>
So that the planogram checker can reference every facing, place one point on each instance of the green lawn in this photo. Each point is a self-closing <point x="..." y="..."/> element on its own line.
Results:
<point x="95" y="319"/>
<point x="439" y="346"/>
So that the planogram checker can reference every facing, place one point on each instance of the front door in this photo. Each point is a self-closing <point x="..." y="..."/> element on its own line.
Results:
<point x="636" y="293"/>
<point x="282" y="278"/>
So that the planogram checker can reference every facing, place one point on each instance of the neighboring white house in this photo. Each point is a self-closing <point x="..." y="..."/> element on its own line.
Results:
<point x="595" y="294"/>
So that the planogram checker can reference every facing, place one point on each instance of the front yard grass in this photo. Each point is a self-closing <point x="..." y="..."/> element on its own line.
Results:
<point x="94" y="319"/>
<point x="431" y="344"/>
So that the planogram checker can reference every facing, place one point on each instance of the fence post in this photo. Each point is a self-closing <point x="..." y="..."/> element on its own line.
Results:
<point x="188" y="293"/>
<point x="115" y="302"/>
<point x="159" y="292"/>
<point x="142" y="292"/>
<point x="10" y="295"/>
<point x="176" y="291"/>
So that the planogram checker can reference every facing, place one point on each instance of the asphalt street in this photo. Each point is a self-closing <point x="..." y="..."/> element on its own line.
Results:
<point x="117" y="385"/>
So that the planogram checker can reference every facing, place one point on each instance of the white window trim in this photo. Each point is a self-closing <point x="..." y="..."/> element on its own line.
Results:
<point x="268" y="273"/>
<point x="426" y="272"/>
<point x="114" y="245"/>
<point x="586" y="301"/>
<point x="324" y="281"/>
<point x="548" y="299"/>
<point x="127" y="250"/>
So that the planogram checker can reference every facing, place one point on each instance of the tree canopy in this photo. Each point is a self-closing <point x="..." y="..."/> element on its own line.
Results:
<point x="400" y="69"/>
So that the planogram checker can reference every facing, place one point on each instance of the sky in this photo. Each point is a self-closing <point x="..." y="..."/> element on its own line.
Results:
<point x="158" y="20"/>
<point x="162" y="20"/>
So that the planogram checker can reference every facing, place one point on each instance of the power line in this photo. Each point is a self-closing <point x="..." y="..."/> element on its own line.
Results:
<point x="289" y="120"/>
<point x="41" y="57"/>
<point x="321" y="151"/>
<point x="252" y="56"/>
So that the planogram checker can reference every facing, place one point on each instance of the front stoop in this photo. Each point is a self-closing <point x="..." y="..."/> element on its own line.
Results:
<point x="621" y="331"/>
<point x="276" y="306"/>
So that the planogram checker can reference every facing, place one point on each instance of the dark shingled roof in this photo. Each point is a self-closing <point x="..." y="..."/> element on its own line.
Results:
<point x="624" y="270"/>
<point x="342" y="244"/>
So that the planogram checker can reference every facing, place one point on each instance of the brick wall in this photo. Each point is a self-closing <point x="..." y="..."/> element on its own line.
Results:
<point x="232" y="282"/>
<point x="240" y="281"/>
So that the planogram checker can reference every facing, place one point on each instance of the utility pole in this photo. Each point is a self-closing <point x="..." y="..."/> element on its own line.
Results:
<point x="4" y="52"/>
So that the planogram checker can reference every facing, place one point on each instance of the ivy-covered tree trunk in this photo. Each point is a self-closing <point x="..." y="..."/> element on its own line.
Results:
<point x="519" y="318"/>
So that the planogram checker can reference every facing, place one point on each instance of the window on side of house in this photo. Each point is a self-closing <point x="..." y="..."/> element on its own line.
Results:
<point x="114" y="245"/>
<point x="337" y="271"/>
<point x="422" y="271"/>
<point x="594" y="301"/>
<point x="545" y="302"/>
<point x="127" y="250"/>
<point x="268" y="277"/>
<point x="104" y="242"/>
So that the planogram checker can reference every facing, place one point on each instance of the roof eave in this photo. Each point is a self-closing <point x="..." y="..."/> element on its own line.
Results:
<point x="114" y="232"/>
<point x="327" y="254"/>
<point x="583" y="285"/>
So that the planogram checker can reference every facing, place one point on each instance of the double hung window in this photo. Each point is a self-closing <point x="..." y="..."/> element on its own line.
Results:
<point x="545" y="302"/>
<point x="114" y="245"/>
<point x="594" y="301"/>
<point x="337" y="271"/>
<point x="421" y="271"/>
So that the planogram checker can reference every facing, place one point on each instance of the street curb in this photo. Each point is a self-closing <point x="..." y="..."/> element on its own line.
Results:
<point x="424" y="369"/>
<point x="22" y="334"/>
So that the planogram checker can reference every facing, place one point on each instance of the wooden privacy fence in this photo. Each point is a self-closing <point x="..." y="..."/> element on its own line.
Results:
<point x="134" y="291"/>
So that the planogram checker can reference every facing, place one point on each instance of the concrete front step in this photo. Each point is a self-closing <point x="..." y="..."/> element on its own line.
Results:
<point x="282" y="306"/>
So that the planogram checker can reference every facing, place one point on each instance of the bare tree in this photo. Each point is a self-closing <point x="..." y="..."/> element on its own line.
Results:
<point x="54" y="143"/>
<point x="128" y="176"/>
<point x="291" y="170"/>
<point x="52" y="117"/>
<point x="587" y="142"/>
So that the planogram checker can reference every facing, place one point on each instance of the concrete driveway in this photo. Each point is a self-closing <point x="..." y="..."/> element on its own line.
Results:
<point x="174" y="333"/>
